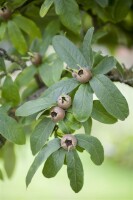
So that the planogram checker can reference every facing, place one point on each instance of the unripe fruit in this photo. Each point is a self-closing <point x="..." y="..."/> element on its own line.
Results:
<point x="64" y="101"/>
<point x="68" y="142"/>
<point x="83" y="75"/>
<point x="57" y="114"/>
<point x="36" y="59"/>
<point x="5" y="13"/>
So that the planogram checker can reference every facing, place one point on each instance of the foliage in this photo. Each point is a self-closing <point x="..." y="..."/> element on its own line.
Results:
<point x="50" y="44"/>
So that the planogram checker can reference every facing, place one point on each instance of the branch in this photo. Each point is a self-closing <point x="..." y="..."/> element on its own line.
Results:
<point x="4" y="54"/>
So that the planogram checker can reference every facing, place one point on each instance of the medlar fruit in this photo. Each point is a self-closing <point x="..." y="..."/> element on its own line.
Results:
<point x="83" y="75"/>
<point x="64" y="101"/>
<point x="36" y="59"/>
<point x="68" y="142"/>
<point x="5" y="13"/>
<point x="57" y="114"/>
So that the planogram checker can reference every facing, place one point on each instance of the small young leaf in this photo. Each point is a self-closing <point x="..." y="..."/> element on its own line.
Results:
<point x="110" y="97"/>
<point x="93" y="146"/>
<point x="68" y="52"/>
<point x="54" y="163"/>
<point x="63" y="126"/>
<point x="2" y="64"/>
<point x="45" y="7"/>
<point x="10" y="91"/>
<point x="1" y="175"/>
<point x="86" y="49"/>
<point x="27" y="25"/>
<point x="75" y="170"/>
<point x="69" y="14"/>
<point x="11" y="130"/>
<point x="105" y="65"/>
<point x="100" y="114"/>
<point x="17" y="37"/>
<point x="82" y="103"/>
<point x="40" y="134"/>
<point x="87" y="126"/>
<point x="46" y="151"/>
<point x="3" y="27"/>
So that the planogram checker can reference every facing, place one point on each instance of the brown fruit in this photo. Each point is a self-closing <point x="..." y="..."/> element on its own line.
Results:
<point x="57" y="114"/>
<point x="36" y="59"/>
<point x="83" y="75"/>
<point x="68" y="142"/>
<point x="5" y="13"/>
<point x="64" y="101"/>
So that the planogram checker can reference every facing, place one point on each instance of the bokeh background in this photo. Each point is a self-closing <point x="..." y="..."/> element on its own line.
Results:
<point x="113" y="180"/>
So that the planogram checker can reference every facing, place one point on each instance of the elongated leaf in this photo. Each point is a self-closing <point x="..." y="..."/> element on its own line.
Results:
<point x="16" y="37"/>
<point x="87" y="126"/>
<point x="3" y="27"/>
<point x="47" y="150"/>
<point x="105" y="65"/>
<point x="86" y="49"/>
<point x="110" y="97"/>
<point x="25" y="76"/>
<point x="49" y="98"/>
<point x="10" y="91"/>
<point x="1" y="175"/>
<point x="82" y="103"/>
<point x="100" y="114"/>
<point x="68" y="52"/>
<point x="9" y="159"/>
<point x="93" y="146"/>
<point x="45" y="7"/>
<point x="61" y="87"/>
<point x="34" y="106"/>
<point x="69" y="14"/>
<point x="63" y="126"/>
<point x="53" y="70"/>
<point x="27" y="25"/>
<point x="40" y="134"/>
<point x="11" y="130"/>
<point x="17" y="3"/>
<point x="75" y="170"/>
<point x="54" y="163"/>
<point x="102" y="3"/>
<point x="2" y="64"/>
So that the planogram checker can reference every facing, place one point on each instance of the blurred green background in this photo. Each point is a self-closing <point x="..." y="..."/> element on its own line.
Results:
<point x="113" y="180"/>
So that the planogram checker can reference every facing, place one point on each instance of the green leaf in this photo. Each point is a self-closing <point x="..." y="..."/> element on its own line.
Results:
<point x="82" y="103"/>
<point x="9" y="159"/>
<point x="51" y="69"/>
<point x="45" y="7"/>
<point x="17" y="3"/>
<point x="105" y="65"/>
<point x="10" y="91"/>
<point x="2" y="64"/>
<point x="86" y="49"/>
<point x="27" y="25"/>
<point x="121" y="9"/>
<point x="87" y="126"/>
<point x="68" y="52"/>
<point x="46" y="151"/>
<point x="75" y="170"/>
<point x="34" y="106"/>
<point x="63" y="126"/>
<point x="25" y="76"/>
<point x="102" y="3"/>
<point x="50" y="31"/>
<point x="93" y="146"/>
<point x="49" y="98"/>
<point x="61" y="87"/>
<point x="3" y="27"/>
<point x="100" y="114"/>
<point x="1" y="175"/>
<point x="110" y="97"/>
<point x="69" y="14"/>
<point x="17" y="37"/>
<point x="41" y="134"/>
<point x="11" y="130"/>
<point x="54" y="163"/>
